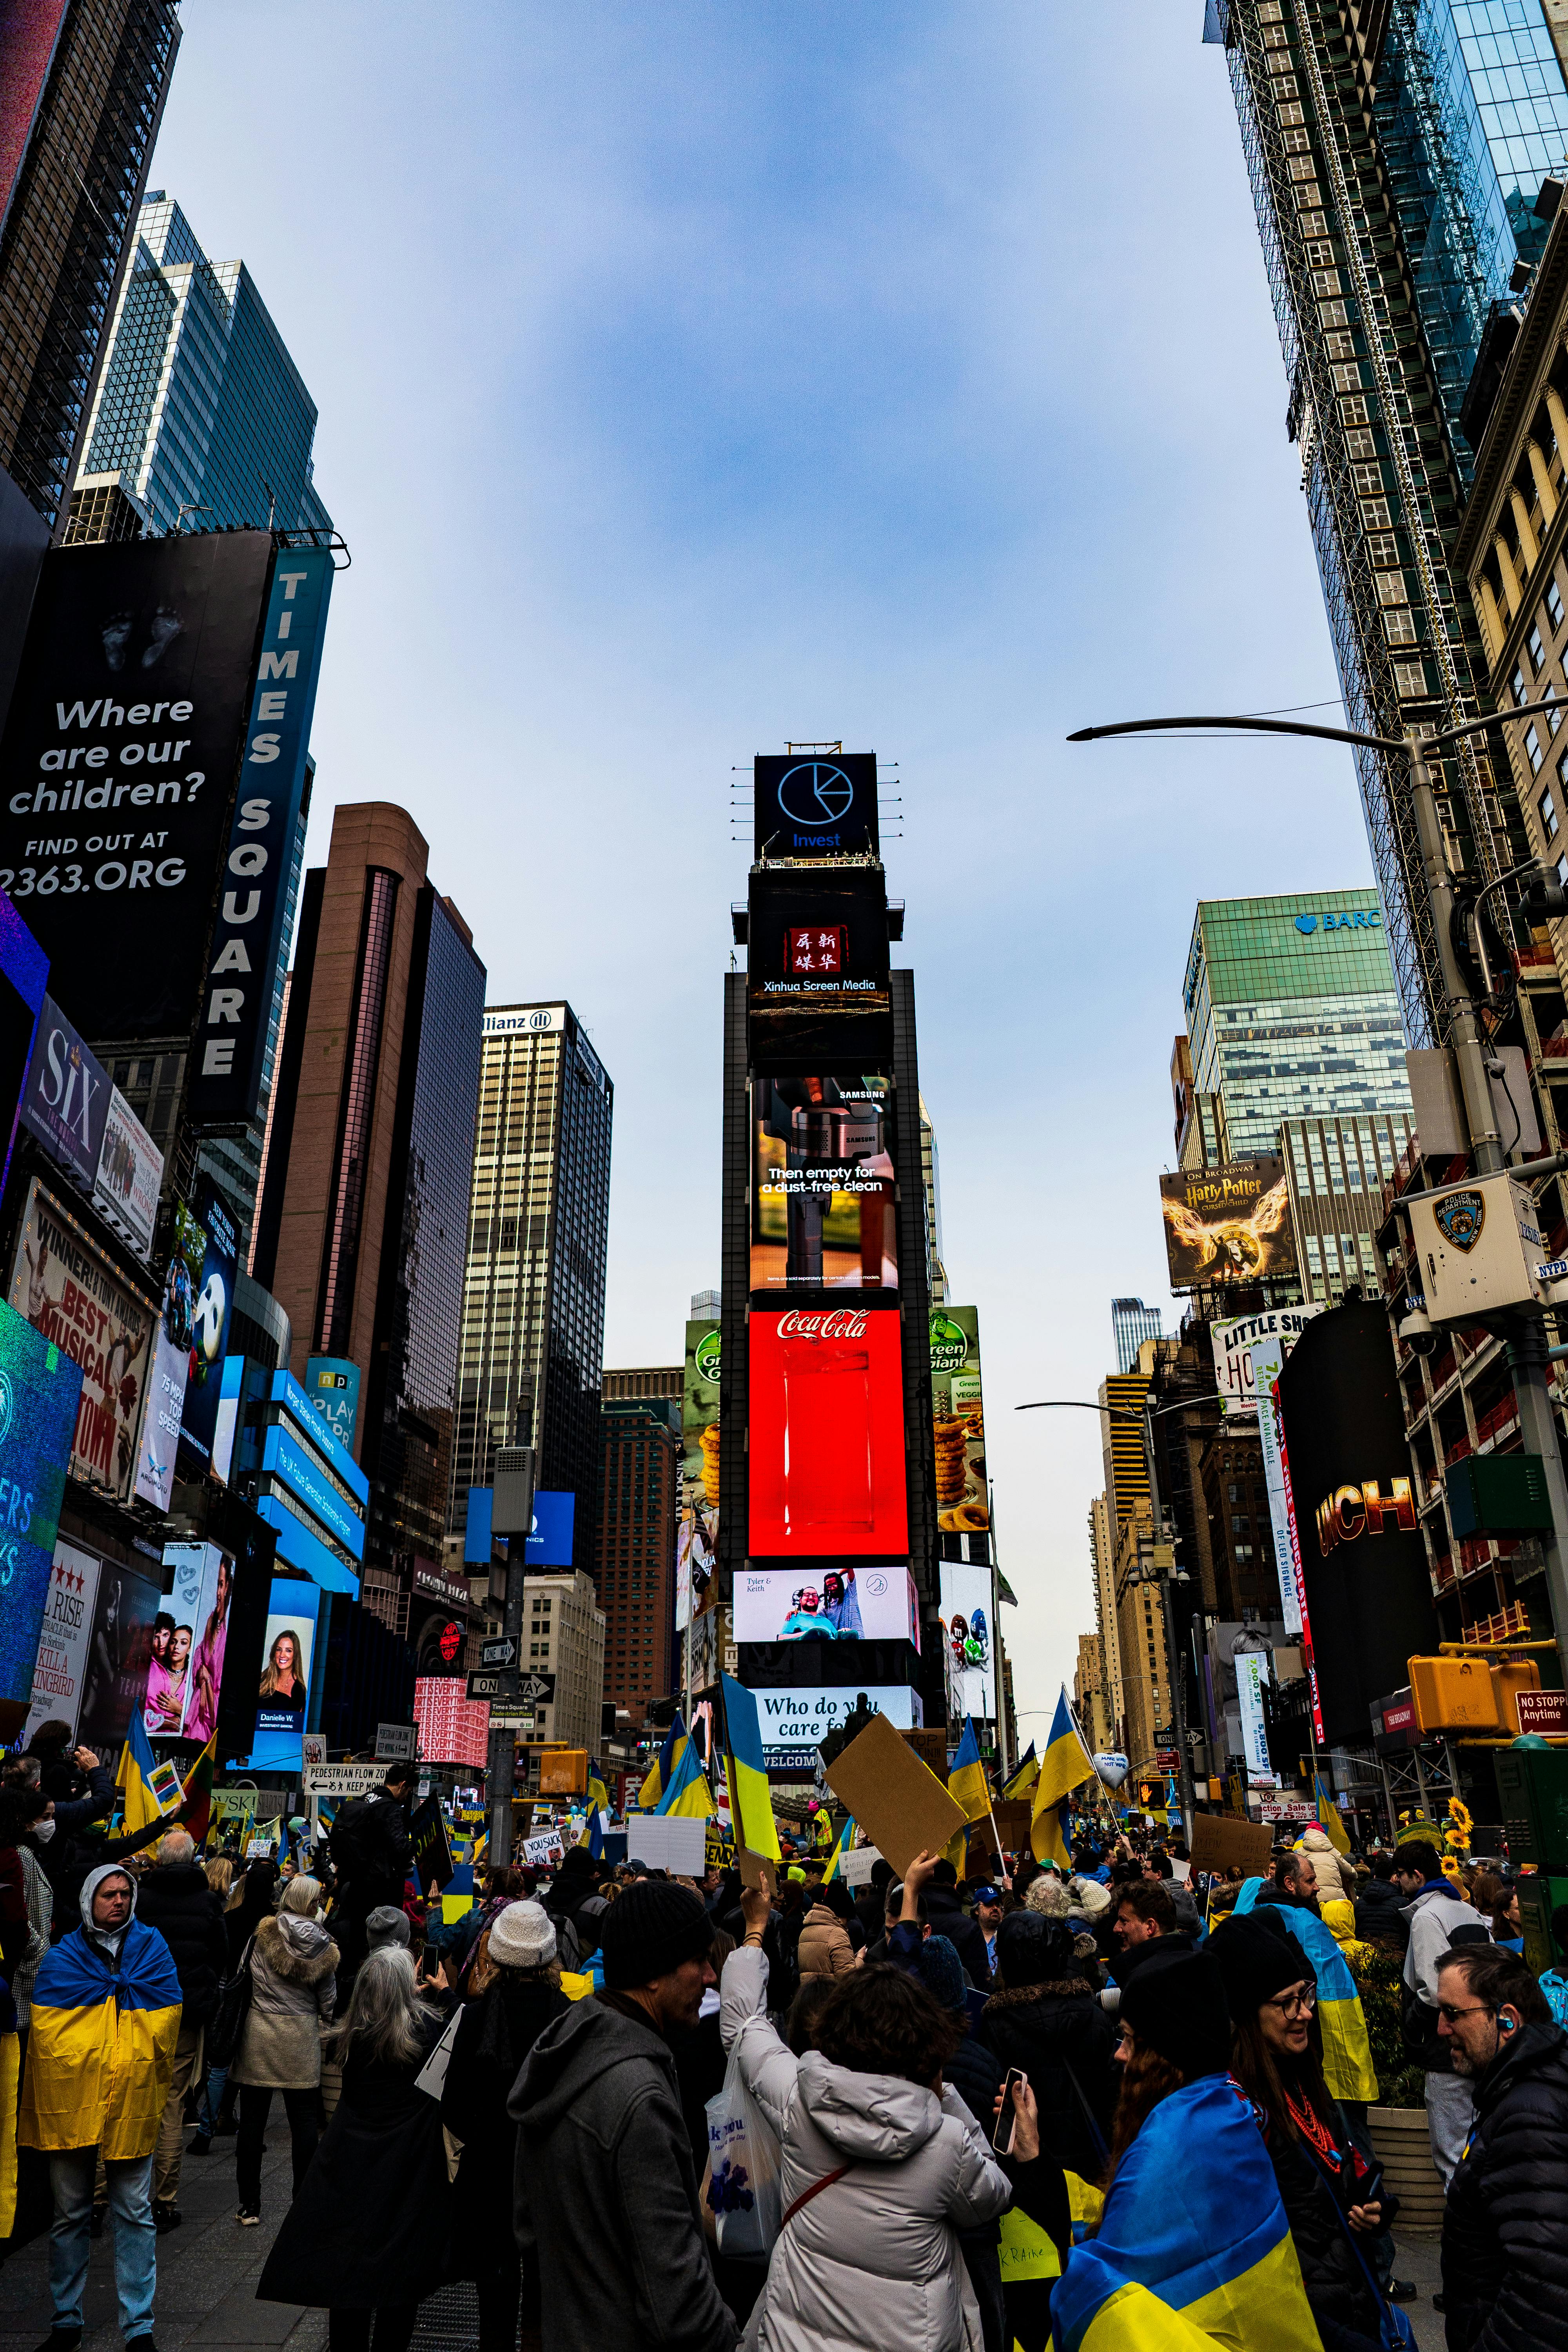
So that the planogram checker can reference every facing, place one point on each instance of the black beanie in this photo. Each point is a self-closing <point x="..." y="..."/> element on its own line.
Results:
<point x="1175" y="2002"/>
<point x="648" y="1930"/>
<point x="1257" y="1959"/>
<point x="1032" y="1950"/>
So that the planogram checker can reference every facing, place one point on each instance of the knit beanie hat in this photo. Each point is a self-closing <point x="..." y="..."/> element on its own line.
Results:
<point x="1175" y="2002"/>
<point x="648" y="1932"/>
<point x="941" y="1972"/>
<point x="1257" y="1959"/>
<point x="1089" y="1898"/>
<point x="1032" y="1950"/>
<point x="521" y="1937"/>
<point x="386" y="1925"/>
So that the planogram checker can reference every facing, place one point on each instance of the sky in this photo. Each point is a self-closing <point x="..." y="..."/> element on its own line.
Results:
<point x="694" y="379"/>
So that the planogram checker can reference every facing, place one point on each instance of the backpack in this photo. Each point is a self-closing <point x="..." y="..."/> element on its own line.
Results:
<point x="359" y="1844"/>
<point x="1555" y="1985"/>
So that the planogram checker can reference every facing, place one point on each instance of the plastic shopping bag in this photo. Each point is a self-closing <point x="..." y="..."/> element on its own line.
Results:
<point x="743" y="2159"/>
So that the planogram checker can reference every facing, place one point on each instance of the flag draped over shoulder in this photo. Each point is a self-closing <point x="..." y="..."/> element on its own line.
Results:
<point x="664" y="1767"/>
<point x="1192" y="2249"/>
<point x="1348" y="2069"/>
<point x="101" y="2053"/>
<point x="1065" y="1764"/>
<point x="750" y="1800"/>
<point x="134" y="1778"/>
<point x="687" y="1792"/>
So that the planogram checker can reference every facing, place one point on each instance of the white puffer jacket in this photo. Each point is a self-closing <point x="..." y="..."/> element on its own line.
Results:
<point x="874" y="2259"/>
<point x="1334" y="1872"/>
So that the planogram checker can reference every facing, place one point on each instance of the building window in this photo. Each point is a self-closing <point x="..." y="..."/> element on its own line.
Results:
<point x="1537" y="651"/>
<point x="1532" y="749"/>
<point x="1553" y="709"/>
<point x="1547" y="808"/>
<point x="1553" y="606"/>
<point x="1520" y="691"/>
<point x="1400" y="627"/>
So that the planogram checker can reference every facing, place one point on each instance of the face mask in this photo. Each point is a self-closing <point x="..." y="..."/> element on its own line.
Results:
<point x="44" y="1831"/>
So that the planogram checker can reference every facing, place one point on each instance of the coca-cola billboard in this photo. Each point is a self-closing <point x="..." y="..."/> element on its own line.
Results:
<point x="826" y="1436"/>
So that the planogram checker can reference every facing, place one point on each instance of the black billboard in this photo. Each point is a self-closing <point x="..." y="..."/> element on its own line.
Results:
<point x="815" y="805"/>
<point x="818" y="990"/>
<point x="1364" y="1565"/>
<point x="118" y="767"/>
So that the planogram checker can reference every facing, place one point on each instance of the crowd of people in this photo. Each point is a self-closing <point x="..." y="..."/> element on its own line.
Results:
<point x="635" y="2110"/>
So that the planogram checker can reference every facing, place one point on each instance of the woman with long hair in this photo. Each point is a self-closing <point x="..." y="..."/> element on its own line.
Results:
<point x="1277" y="2057"/>
<point x="366" y="2235"/>
<point x="282" y="1678"/>
<point x="207" y="1671"/>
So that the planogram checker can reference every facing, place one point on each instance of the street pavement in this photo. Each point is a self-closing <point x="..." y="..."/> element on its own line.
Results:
<point x="1416" y="2258"/>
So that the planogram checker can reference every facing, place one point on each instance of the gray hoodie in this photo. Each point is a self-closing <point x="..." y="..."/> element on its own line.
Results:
<point x="607" y="2193"/>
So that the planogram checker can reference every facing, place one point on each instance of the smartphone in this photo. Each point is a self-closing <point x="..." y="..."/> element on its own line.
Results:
<point x="1369" y="2190"/>
<point x="1007" y="2121"/>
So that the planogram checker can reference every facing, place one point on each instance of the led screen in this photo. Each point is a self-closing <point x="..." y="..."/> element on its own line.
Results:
<point x="827" y="1435"/>
<point x="822" y="1186"/>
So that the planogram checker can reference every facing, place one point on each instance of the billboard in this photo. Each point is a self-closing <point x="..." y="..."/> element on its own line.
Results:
<point x="958" y="1423"/>
<point x="822" y="1186"/>
<point x="549" y="1540"/>
<point x="39" y="1388"/>
<point x="817" y="990"/>
<point x="68" y="1290"/>
<point x="1228" y="1223"/>
<point x="1364" y="1565"/>
<point x="284" y="1692"/>
<point x="64" y="1640"/>
<point x="130" y="1177"/>
<point x="120" y="1653"/>
<point x="331" y="1382"/>
<point x="248" y="938"/>
<point x="190" y="1632"/>
<point x="210" y="1317"/>
<point x="815" y="804"/>
<point x="28" y="31"/>
<point x="795" y="1723"/>
<point x="65" y="1100"/>
<point x="171" y="1365"/>
<point x="1276" y="1330"/>
<point x="697" y="1535"/>
<point x="119" y="755"/>
<point x="969" y="1627"/>
<point x="836" y="1602"/>
<point x="825" y="1441"/>
<point x="24" y="967"/>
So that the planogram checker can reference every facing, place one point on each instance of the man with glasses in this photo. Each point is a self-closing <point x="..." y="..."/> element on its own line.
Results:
<point x="1439" y="1916"/>
<point x="1505" y="2227"/>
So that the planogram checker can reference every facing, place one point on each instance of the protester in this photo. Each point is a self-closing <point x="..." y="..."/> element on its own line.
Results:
<point x="174" y="1897"/>
<point x="1047" y="2021"/>
<point x="973" y="2071"/>
<point x="949" y="1919"/>
<point x="1277" y="2057"/>
<point x="257" y="1895"/>
<point x="293" y="1966"/>
<point x="1380" y="1908"/>
<point x="62" y="1836"/>
<point x="372" y="1854"/>
<point x="106" y="2019"/>
<point x="1334" y="1874"/>
<point x="987" y="1900"/>
<point x="1438" y="1916"/>
<point x="882" y="2163"/>
<point x="367" y="2232"/>
<point x="578" y="1906"/>
<point x="597" y="2104"/>
<point x="825" y="1950"/>
<point x="1143" y="1923"/>
<point x="498" y="2028"/>
<point x="1507" y="1927"/>
<point x="879" y="1952"/>
<point x="1294" y="1880"/>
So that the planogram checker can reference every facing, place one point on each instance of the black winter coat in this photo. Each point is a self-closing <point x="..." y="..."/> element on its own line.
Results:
<point x="976" y="2074"/>
<point x="1505" y="2225"/>
<point x="1380" y="1916"/>
<point x="1338" y="2289"/>
<point x="1048" y="2029"/>
<point x="497" y="2031"/>
<point x="175" y="1897"/>
<point x="965" y="1934"/>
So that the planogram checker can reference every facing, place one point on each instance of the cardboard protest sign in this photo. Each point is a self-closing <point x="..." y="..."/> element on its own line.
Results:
<point x="1221" y="1842"/>
<point x="901" y="1805"/>
<point x="757" y="1870"/>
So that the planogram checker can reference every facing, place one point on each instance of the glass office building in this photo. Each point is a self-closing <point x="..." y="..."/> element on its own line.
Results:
<point x="200" y="412"/>
<point x="1131" y="1324"/>
<point x="533" y="1299"/>
<point x="1292" y="1013"/>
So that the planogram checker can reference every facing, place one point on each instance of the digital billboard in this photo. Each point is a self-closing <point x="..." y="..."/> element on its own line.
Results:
<point x="1234" y="1342"/>
<point x="68" y="1291"/>
<point x="39" y="1388"/>
<point x="119" y="758"/>
<point x="968" y="1624"/>
<point x="284" y="1691"/>
<point x="815" y="804"/>
<point x="835" y="1603"/>
<point x="795" y="1723"/>
<point x="332" y="1383"/>
<point x="1363" y="1564"/>
<point x="64" y="1640"/>
<point x="121" y="1654"/>
<point x="66" y="1098"/>
<point x="549" y="1540"/>
<point x="190" y="1633"/>
<point x="210" y="1317"/>
<point x="958" y="1423"/>
<point x="817" y="987"/>
<point x="1228" y="1223"/>
<point x="171" y="1365"/>
<point x="826" y="1439"/>
<point x="24" y="967"/>
<point x="696" y="1536"/>
<point x="130" y="1177"/>
<point x="823" y="1211"/>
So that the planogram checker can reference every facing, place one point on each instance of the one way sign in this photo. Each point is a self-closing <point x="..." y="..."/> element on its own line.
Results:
<point x="498" y="1654"/>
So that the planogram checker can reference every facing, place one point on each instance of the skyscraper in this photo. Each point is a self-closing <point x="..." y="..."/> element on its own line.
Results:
<point x="1131" y="1324"/>
<point x="81" y="101"/>
<point x="533" y="1295"/>
<point x="1391" y="147"/>
<point x="635" y="1564"/>
<point x="199" y="407"/>
<point x="364" y="1220"/>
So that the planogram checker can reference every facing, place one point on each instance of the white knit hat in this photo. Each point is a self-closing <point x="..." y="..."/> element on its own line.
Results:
<point x="521" y="1937"/>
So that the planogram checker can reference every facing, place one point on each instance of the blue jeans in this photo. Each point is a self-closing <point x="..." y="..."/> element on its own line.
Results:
<point x="135" y="2237"/>
<point x="211" y="2100"/>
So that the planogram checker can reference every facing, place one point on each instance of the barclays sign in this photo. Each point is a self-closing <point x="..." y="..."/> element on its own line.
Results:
<point x="1359" y="918"/>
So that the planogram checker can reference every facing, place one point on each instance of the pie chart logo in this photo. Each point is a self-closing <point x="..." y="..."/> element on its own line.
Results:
<point x="815" y="793"/>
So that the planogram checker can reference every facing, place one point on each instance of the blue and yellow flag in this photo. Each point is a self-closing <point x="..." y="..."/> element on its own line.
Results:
<point x="666" y="1764"/>
<point x="1065" y="1764"/>
<point x="750" y="1799"/>
<point x="1192" y="2249"/>
<point x="846" y="1843"/>
<point x="1348" y="2069"/>
<point x="593" y="1835"/>
<point x="137" y="1777"/>
<point x="101" y="2054"/>
<point x="687" y="1793"/>
<point x="1025" y="1777"/>
<point x="1331" y="1821"/>
<point x="966" y="1782"/>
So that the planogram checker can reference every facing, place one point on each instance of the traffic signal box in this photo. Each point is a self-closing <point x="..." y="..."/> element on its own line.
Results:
<point x="1470" y="1694"/>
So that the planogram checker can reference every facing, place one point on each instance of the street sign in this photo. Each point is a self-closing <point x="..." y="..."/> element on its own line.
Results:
<point x="1543" y="1712"/>
<point x="536" y="1686"/>
<point x="502" y="1653"/>
<point x="396" y="1743"/>
<point x="342" y="1780"/>
<point x="511" y="1714"/>
<point x="499" y="1685"/>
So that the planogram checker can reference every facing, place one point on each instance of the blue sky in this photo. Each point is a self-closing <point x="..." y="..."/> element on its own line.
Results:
<point x="695" y="377"/>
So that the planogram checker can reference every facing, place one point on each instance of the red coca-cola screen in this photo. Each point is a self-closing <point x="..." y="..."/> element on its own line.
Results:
<point x="827" y="1451"/>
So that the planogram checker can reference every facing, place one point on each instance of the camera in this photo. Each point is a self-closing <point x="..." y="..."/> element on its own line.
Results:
<point x="1416" y="1330"/>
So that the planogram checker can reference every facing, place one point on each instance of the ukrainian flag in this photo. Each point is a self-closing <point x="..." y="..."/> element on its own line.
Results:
<point x="1331" y="1821"/>
<point x="134" y="1778"/>
<point x="1025" y="1777"/>
<point x="688" y="1794"/>
<point x="1192" y="2249"/>
<point x="1348" y="2069"/>
<point x="750" y="1801"/>
<point x="665" y="1767"/>
<point x="101" y="2054"/>
<point x="967" y="1780"/>
<point x="845" y="1845"/>
<point x="1065" y="1764"/>
<point x="593" y="1835"/>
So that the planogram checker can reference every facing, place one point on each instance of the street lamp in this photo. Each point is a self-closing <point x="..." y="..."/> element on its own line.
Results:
<point x="1527" y="1351"/>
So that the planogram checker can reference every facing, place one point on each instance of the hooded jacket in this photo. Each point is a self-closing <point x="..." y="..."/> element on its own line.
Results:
<point x="1436" y="1912"/>
<point x="1505" y="2259"/>
<point x="1380" y="1916"/>
<point x="1335" y="1876"/>
<point x="967" y="1937"/>
<point x="825" y="1950"/>
<point x="874" y="2259"/>
<point x="106" y="2017"/>
<point x="292" y="1989"/>
<point x="605" y="2193"/>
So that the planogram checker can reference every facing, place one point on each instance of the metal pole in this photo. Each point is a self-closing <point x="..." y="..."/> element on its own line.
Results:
<point x="502" y="1760"/>
<point x="1537" y="1434"/>
<point x="1175" y="1666"/>
<point x="1469" y="1051"/>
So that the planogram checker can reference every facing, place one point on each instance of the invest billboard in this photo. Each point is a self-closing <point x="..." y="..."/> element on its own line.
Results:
<point x="823" y="1211"/>
<point x="826" y="1440"/>
<point x="1229" y="1224"/>
<point x="815" y="804"/>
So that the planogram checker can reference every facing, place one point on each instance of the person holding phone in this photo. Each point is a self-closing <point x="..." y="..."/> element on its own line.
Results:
<point x="1334" y="2201"/>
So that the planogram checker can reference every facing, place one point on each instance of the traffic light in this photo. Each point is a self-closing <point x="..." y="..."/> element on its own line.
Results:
<point x="1143" y="1793"/>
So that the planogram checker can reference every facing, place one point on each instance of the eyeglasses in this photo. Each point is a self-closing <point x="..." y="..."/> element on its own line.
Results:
<point x="1296" y="2004"/>
<point x="1476" y="2008"/>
